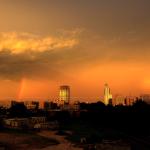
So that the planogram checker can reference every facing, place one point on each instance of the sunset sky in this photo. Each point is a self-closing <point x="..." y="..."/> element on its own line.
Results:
<point x="81" y="43"/>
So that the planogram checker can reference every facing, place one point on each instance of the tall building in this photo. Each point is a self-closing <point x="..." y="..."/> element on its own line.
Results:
<point x="145" y="97"/>
<point x="64" y="94"/>
<point x="107" y="95"/>
<point x="13" y="103"/>
<point x="120" y="100"/>
<point x="129" y="100"/>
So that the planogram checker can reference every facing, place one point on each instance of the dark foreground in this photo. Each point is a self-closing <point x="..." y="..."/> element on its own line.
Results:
<point x="93" y="127"/>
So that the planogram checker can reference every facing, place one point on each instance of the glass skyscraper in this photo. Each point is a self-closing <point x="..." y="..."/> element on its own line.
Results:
<point x="64" y="94"/>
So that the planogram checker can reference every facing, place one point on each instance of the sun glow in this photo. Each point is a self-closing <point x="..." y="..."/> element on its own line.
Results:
<point x="146" y="84"/>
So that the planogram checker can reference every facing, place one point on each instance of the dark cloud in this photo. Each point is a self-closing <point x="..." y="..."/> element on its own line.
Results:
<point x="115" y="31"/>
<point x="30" y="65"/>
<point x="48" y="64"/>
<point x="53" y="64"/>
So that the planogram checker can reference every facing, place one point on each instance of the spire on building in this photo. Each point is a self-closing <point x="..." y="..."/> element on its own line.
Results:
<point x="107" y="95"/>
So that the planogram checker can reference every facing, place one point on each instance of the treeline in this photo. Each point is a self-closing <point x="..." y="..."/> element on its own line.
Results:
<point x="133" y="119"/>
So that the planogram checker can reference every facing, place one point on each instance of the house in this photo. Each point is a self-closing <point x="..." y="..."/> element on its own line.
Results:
<point x="17" y="123"/>
<point x="30" y="123"/>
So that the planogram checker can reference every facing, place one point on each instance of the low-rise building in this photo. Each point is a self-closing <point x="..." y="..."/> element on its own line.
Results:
<point x="17" y="123"/>
<point x="30" y="123"/>
<point x="31" y="104"/>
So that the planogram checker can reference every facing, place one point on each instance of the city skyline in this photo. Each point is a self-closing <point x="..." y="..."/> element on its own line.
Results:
<point x="65" y="100"/>
<point x="64" y="96"/>
<point x="84" y="44"/>
<point x="74" y="74"/>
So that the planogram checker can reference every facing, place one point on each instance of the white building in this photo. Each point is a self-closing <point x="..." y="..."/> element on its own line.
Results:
<point x="107" y="95"/>
<point x="15" y="122"/>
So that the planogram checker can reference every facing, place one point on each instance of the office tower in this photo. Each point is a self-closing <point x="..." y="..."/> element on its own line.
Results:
<point x="107" y="95"/>
<point x="14" y="103"/>
<point x="121" y="100"/>
<point x="129" y="100"/>
<point x="76" y="106"/>
<point x="64" y="94"/>
<point x="145" y="97"/>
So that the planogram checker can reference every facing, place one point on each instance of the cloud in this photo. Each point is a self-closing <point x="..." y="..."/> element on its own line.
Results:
<point x="34" y="56"/>
<point x="52" y="57"/>
<point x="21" y="42"/>
<point x="30" y="65"/>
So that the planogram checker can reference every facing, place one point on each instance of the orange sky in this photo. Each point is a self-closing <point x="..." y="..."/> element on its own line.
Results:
<point x="84" y="44"/>
<point x="86" y="83"/>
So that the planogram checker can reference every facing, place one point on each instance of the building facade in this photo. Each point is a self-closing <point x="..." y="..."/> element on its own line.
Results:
<point x="64" y="94"/>
<point x="107" y="95"/>
<point x="145" y="97"/>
